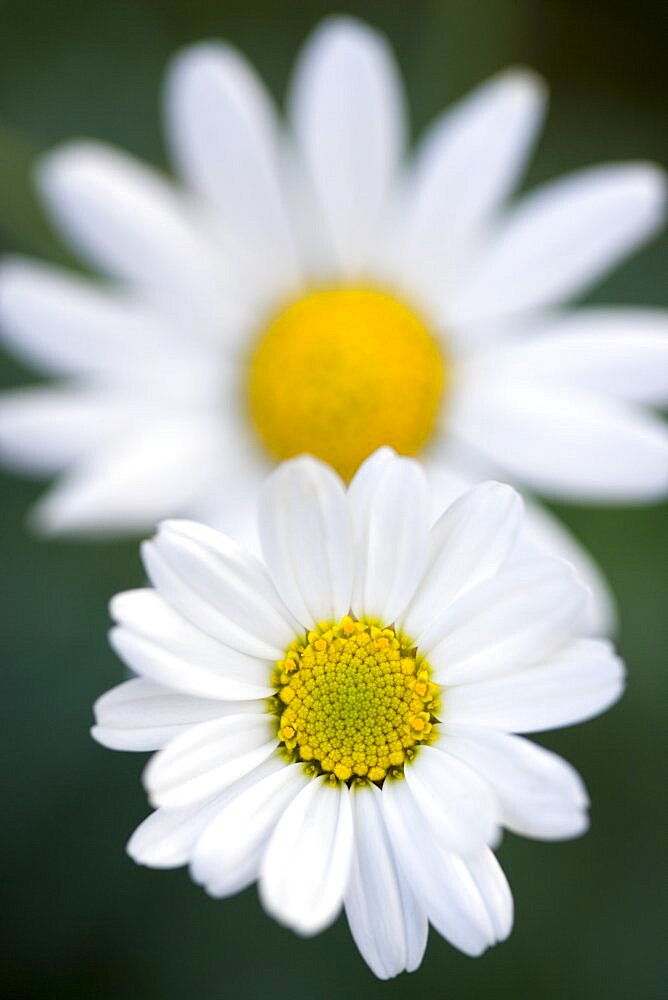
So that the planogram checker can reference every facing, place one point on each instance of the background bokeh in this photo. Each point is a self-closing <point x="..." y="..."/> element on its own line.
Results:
<point x="83" y="920"/>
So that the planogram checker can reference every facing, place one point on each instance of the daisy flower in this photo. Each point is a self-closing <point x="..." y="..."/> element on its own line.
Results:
<point x="337" y="720"/>
<point x="315" y="290"/>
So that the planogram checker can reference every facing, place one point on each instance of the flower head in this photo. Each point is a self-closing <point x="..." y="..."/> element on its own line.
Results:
<point x="337" y="719"/>
<point x="316" y="290"/>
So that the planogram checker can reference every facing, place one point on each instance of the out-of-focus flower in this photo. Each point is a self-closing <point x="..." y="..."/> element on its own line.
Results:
<point x="314" y="291"/>
<point x="337" y="721"/>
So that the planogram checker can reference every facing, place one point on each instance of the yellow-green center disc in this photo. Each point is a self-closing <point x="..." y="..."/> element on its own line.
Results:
<point x="341" y="372"/>
<point x="354" y="700"/>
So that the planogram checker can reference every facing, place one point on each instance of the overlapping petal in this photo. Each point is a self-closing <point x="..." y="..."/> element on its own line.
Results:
<point x="576" y="683"/>
<point x="389" y="503"/>
<point x="305" y="869"/>
<point x="307" y="540"/>
<point x="385" y="919"/>
<point x="346" y="109"/>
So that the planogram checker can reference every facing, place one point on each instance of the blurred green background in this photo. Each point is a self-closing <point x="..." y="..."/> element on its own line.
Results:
<point x="84" y="921"/>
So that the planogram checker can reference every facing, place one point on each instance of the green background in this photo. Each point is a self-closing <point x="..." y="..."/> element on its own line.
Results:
<point x="84" y="921"/>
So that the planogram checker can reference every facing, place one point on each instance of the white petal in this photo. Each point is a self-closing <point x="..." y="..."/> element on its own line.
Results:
<point x="133" y="482"/>
<point x="219" y="587"/>
<point x="226" y="143"/>
<point x="306" y="536"/>
<point x="467" y="544"/>
<point x="540" y="794"/>
<point x="543" y="534"/>
<point x="456" y="805"/>
<point x="575" y="684"/>
<point x="389" y="502"/>
<point x="166" y="838"/>
<point x="305" y="869"/>
<point x="159" y="643"/>
<point x="612" y="351"/>
<point x="141" y="715"/>
<point x="439" y="879"/>
<point x="561" y="238"/>
<point x="385" y="920"/>
<point x="69" y="326"/>
<point x="465" y="166"/>
<point x="209" y="757"/>
<point x="44" y="429"/>
<point x="347" y="112"/>
<point x="562" y="443"/>
<point x="506" y="623"/>
<point x="130" y="222"/>
<point x="227" y="856"/>
<point x="494" y="891"/>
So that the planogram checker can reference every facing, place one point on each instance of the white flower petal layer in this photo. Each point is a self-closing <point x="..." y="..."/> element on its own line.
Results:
<point x="167" y="838"/>
<point x="209" y="757"/>
<point x="439" y="879"/>
<point x="494" y="891"/>
<point x="467" y="544"/>
<point x="227" y="856"/>
<point x="162" y="645"/>
<point x="306" y="536"/>
<point x="390" y="515"/>
<point x="44" y="429"/>
<point x="347" y="110"/>
<point x="564" y="444"/>
<point x="540" y="795"/>
<point x="616" y="352"/>
<point x="130" y="222"/>
<point x="141" y="715"/>
<point x="540" y="534"/>
<point x="305" y="869"/>
<point x="456" y="806"/>
<point x="133" y="481"/>
<point x="559" y="239"/>
<point x="226" y="142"/>
<point x="221" y="588"/>
<point x="465" y="166"/>
<point x="544" y="535"/>
<point x="385" y="920"/>
<point x="580" y="681"/>
<point x="69" y="326"/>
<point x="506" y="623"/>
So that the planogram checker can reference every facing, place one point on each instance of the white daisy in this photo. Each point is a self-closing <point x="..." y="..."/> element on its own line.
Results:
<point x="313" y="290"/>
<point x="338" y="720"/>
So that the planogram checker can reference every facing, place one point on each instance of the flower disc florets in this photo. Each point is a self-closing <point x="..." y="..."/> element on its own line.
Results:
<point x="342" y="371"/>
<point x="354" y="700"/>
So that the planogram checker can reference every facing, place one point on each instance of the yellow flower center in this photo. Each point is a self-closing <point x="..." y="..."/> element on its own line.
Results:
<point x="343" y="371"/>
<point x="354" y="700"/>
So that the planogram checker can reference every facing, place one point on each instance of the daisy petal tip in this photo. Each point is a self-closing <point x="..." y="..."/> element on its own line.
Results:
<point x="196" y="68"/>
<point x="647" y="190"/>
<point x="96" y="732"/>
<point x="180" y="526"/>
<point x="299" y="471"/>
<point x="527" y="84"/>
<point x="46" y="520"/>
<point x="63" y="167"/>
<point x="345" y="30"/>
<point x="502" y="494"/>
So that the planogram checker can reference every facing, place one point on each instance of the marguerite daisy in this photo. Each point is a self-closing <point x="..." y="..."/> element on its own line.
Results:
<point x="337" y="720"/>
<point x="313" y="290"/>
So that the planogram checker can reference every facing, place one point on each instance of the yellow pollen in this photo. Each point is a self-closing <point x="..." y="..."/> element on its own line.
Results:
<point x="354" y="701"/>
<point x="340" y="372"/>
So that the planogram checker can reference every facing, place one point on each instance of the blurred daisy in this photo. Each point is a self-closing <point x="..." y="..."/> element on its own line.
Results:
<point x="315" y="291"/>
<point x="337" y="721"/>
